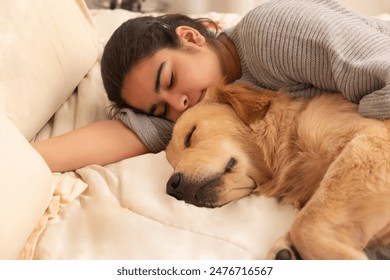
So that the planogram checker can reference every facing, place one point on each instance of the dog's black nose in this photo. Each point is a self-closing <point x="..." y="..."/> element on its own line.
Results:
<point x="173" y="186"/>
<point x="174" y="181"/>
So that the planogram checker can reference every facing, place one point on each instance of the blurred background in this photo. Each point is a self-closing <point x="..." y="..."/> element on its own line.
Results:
<point x="363" y="7"/>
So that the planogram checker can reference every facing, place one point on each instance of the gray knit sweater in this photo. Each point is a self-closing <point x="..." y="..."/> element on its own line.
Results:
<point x="306" y="47"/>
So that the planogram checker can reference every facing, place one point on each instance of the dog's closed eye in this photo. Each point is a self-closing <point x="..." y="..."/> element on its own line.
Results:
<point x="187" y="140"/>
<point x="230" y="165"/>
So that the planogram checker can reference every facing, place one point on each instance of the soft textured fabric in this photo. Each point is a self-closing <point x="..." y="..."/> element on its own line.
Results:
<point x="46" y="48"/>
<point x="307" y="47"/>
<point x="154" y="132"/>
<point x="26" y="189"/>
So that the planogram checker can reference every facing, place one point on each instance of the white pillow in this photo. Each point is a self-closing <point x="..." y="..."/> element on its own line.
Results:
<point x="25" y="189"/>
<point x="46" y="48"/>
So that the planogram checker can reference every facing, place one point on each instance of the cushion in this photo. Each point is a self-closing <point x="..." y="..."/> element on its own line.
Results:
<point x="25" y="186"/>
<point x="47" y="47"/>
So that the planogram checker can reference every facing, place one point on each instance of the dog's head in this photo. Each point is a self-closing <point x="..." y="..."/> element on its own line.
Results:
<point x="214" y="159"/>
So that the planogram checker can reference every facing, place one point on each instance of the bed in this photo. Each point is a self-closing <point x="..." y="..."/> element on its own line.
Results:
<point x="118" y="211"/>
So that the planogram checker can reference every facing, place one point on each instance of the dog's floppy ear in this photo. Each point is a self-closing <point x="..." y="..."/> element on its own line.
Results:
<point x="249" y="104"/>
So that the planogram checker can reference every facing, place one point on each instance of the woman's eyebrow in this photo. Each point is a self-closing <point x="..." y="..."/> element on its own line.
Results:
<point x="158" y="78"/>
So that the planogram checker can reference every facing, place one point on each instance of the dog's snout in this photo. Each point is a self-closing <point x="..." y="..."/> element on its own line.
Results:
<point x="199" y="193"/>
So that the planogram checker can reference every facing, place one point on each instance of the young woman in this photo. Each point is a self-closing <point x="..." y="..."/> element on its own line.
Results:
<point x="154" y="68"/>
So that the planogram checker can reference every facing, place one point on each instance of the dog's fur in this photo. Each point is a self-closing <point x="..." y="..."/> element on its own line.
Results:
<point x="317" y="153"/>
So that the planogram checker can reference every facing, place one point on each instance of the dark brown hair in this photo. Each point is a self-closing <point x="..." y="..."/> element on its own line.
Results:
<point x="138" y="39"/>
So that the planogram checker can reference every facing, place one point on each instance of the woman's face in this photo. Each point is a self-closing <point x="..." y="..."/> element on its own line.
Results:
<point x="172" y="80"/>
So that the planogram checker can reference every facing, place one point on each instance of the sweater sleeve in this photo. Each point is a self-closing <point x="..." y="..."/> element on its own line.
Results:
<point x="154" y="132"/>
<point x="312" y="46"/>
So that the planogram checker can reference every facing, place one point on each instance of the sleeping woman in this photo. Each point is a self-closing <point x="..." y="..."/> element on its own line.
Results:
<point x="154" y="68"/>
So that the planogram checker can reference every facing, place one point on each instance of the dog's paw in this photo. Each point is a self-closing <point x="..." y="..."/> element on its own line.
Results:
<point x="288" y="254"/>
<point x="283" y="249"/>
<point x="284" y="254"/>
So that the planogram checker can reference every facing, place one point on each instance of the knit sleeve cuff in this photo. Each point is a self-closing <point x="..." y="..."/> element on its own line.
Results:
<point x="154" y="132"/>
<point x="376" y="105"/>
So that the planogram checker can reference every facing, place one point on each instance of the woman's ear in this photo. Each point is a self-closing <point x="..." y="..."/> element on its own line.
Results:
<point x="190" y="35"/>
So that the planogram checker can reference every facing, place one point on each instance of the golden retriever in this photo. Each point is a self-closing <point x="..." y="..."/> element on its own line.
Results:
<point x="317" y="153"/>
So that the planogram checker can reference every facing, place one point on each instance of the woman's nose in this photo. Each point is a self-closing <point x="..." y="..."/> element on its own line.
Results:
<point x="183" y="102"/>
<point x="178" y="101"/>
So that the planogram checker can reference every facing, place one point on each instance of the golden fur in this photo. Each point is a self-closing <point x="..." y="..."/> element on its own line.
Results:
<point x="318" y="153"/>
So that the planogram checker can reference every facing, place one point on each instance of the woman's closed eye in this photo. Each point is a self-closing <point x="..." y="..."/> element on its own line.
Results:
<point x="163" y="112"/>
<point x="172" y="81"/>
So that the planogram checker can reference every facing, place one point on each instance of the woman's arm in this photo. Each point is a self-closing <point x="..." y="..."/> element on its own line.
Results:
<point x="307" y="47"/>
<point x="101" y="143"/>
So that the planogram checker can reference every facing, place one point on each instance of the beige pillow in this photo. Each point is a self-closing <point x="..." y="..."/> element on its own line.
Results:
<point x="25" y="189"/>
<point x="46" y="48"/>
